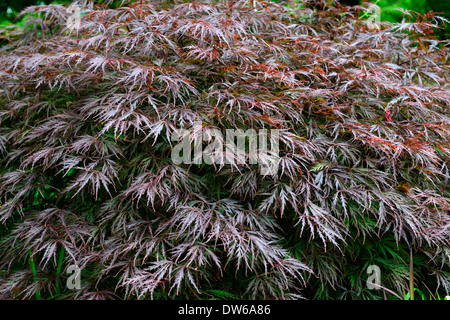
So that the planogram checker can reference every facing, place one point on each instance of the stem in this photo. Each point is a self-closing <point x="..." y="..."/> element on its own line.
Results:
<point x="411" y="275"/>
<point x="386" y="289"/>
<point x="35" y="278"/>
<point x="58" y="269"/>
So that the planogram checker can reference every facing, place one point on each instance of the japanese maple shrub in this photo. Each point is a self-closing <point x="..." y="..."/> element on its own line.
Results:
<point x="88" y="109"/>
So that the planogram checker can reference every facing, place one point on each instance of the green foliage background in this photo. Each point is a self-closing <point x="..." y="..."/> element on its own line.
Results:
<point x="389" y="13"/>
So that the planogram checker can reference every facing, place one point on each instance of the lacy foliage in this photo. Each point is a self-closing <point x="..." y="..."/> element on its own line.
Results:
<point x="86" y="175"/>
